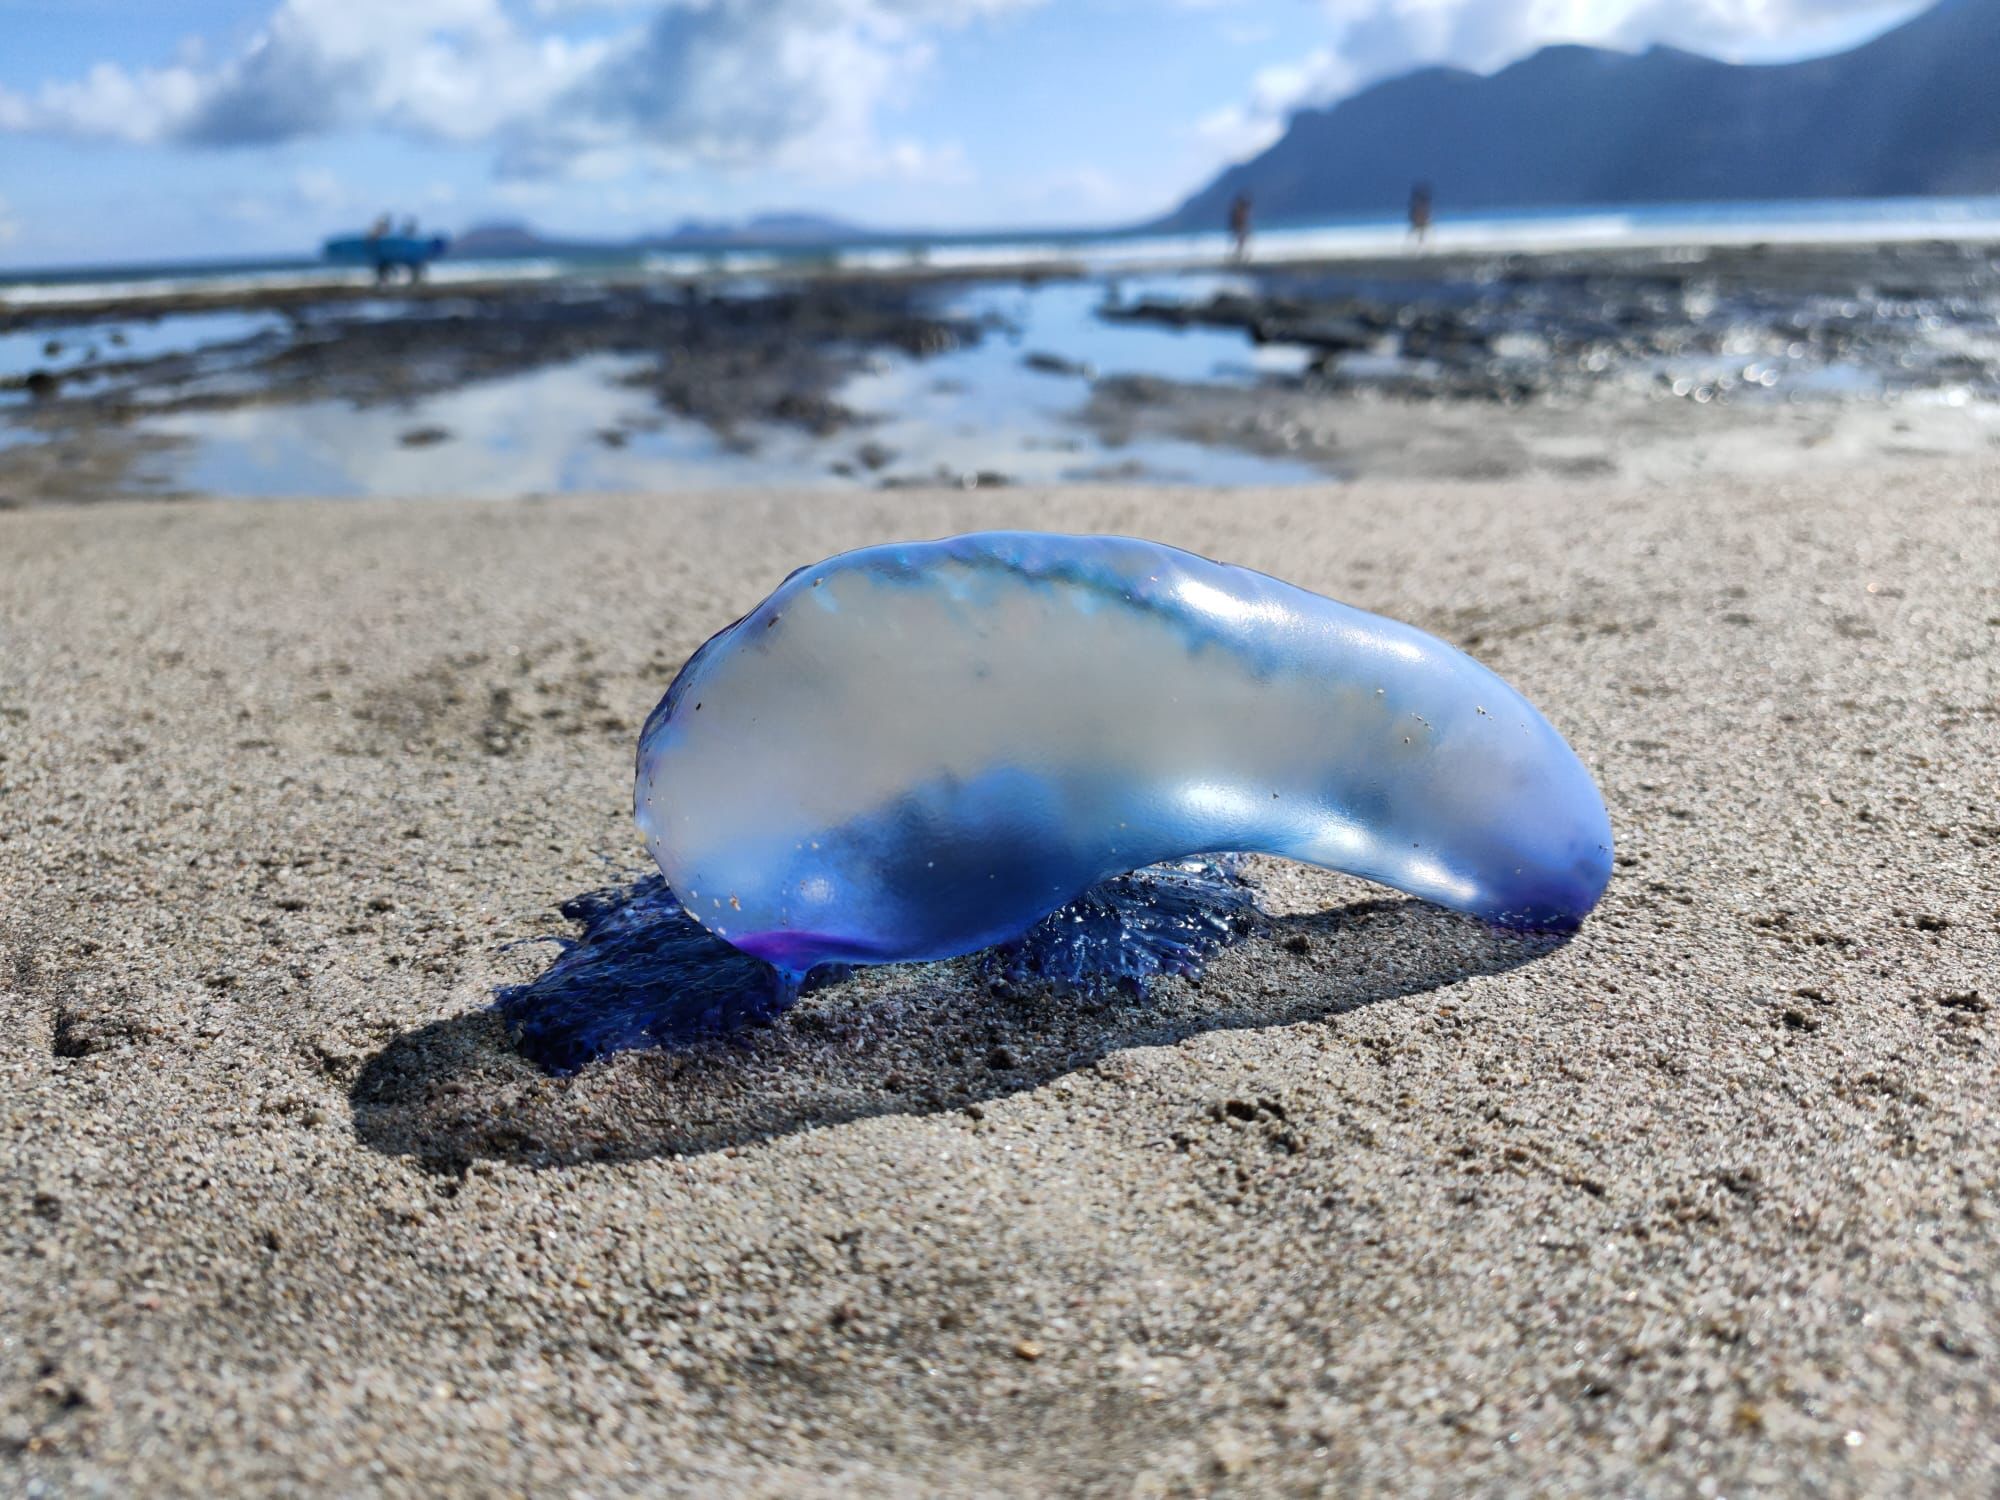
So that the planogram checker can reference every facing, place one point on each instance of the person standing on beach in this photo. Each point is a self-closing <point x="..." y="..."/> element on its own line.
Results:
<point x="1420" y="211"/>
<point x="1239" y="227"/>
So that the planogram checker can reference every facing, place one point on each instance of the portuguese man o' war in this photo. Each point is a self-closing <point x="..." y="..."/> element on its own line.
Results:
<point x="921" y="750"/>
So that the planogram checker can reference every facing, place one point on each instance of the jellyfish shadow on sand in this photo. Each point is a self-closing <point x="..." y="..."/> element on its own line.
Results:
<point x="647" y="1037"/>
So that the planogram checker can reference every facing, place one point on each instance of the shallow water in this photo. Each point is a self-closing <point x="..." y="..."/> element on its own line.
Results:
<point x="984" y="407"/>
<point x="63" y="347"/>
<point x="1022" y="381"/>
<point x="974" y="414"/>
<point x="542" y="432"/>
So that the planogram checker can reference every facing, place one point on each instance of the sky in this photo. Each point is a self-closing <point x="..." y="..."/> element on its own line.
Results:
<point x="134" y="131"/>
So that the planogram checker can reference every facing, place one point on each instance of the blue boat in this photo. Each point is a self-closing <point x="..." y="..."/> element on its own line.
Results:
<point x="386" y="254"/>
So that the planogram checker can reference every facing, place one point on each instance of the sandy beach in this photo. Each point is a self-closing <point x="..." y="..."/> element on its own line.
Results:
<point x="1704" y="1201"/>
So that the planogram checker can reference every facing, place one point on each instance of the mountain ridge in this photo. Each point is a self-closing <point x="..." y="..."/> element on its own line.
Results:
<point x="1914" y="111"/>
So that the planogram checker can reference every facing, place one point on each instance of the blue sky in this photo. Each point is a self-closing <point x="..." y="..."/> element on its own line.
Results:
<point x="137" y="130"/>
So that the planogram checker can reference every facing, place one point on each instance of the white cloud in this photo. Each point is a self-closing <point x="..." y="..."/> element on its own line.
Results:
<point x="107" y="102"/>
<point x="788" y="84"/>
<point x="1239" y="130"/>
<point x="444" y="69"/>
<point x="1380" y="37"/>
<point x="794" y="85"/>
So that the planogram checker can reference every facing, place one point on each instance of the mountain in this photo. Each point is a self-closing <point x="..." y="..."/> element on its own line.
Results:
<point x="491" y="240"/>
<point x="1915" y="111"/>
<point x="762" y="231"/>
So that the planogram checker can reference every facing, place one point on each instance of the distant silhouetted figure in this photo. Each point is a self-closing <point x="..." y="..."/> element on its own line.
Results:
<point x="1420" y="211"/>
<point x="1239" y="226"/>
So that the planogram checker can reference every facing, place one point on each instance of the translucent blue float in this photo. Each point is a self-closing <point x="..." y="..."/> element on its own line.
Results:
<point x="921" y="750"/>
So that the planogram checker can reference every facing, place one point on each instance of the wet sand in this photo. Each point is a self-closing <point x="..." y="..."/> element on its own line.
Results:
<point x="1706" y="1200"/>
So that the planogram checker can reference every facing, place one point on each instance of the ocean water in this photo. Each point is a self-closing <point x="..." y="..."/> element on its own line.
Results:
<point x="1801" y="222"/>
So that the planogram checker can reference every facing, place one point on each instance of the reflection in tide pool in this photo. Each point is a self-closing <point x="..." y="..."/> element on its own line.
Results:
<point x="65" y="347"/>
<point x="571" y="428"/>
<point x="1007" y="404"/>
<point x="978" y="414"/>
<point x="1061" y="318"/>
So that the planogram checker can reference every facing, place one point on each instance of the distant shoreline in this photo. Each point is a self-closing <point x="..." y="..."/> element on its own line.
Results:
<point x="1695" y="228"/>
